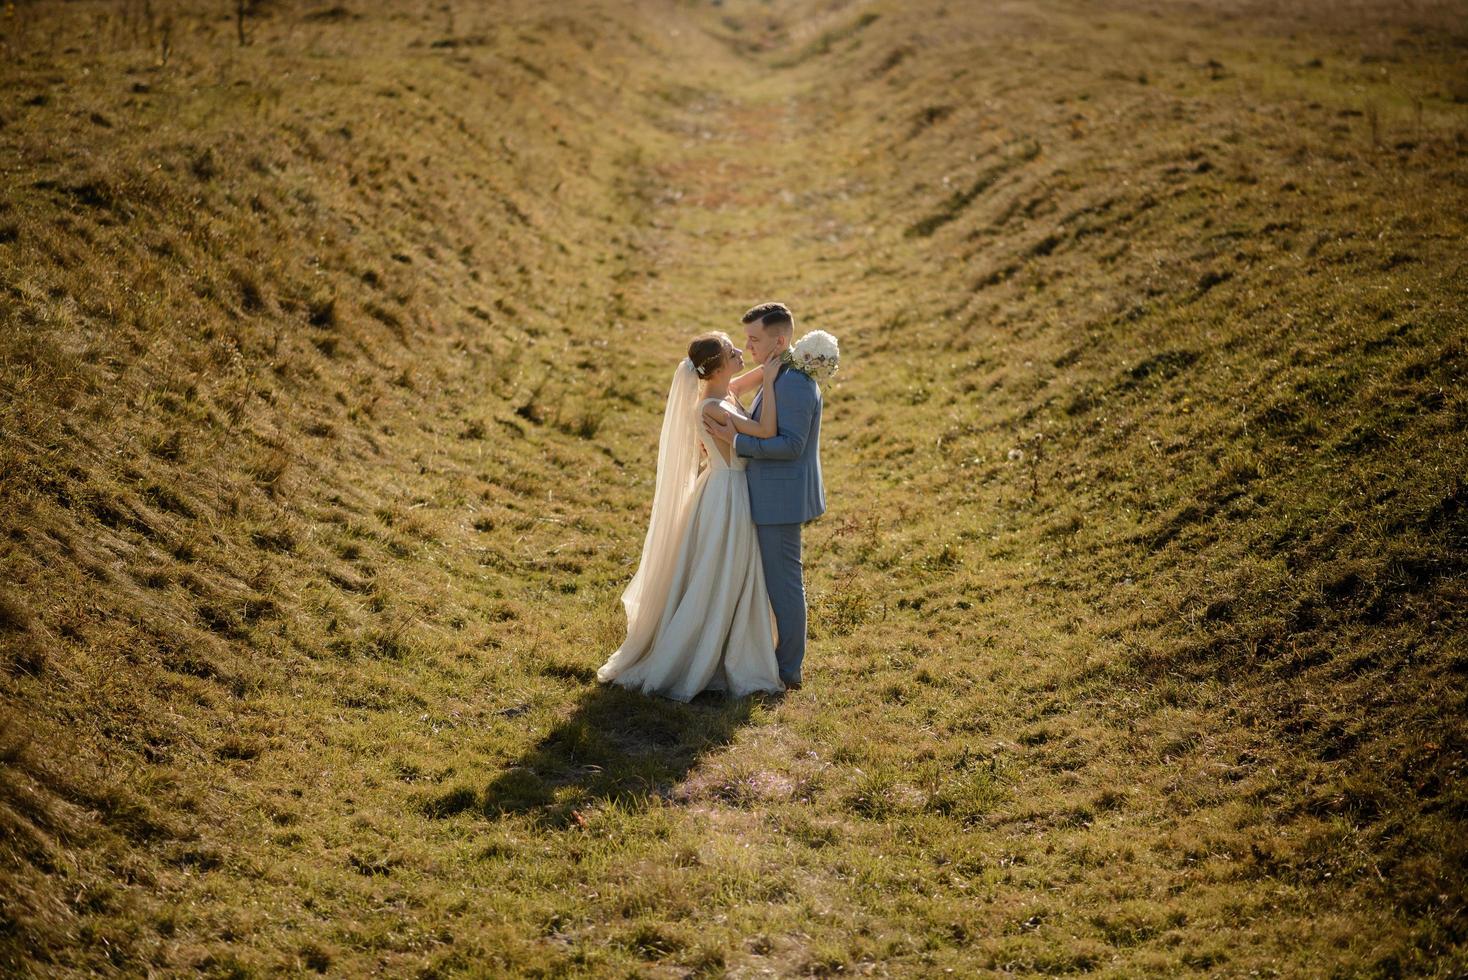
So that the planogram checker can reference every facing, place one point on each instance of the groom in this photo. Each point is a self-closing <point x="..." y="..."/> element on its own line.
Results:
<point x="784" y="475"/>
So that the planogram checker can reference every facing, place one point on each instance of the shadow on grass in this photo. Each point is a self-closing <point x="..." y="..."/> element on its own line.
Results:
<point x="617" y="746"/>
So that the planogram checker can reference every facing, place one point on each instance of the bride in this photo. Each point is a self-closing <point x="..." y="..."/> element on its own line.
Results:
<point x="698" y="615"/>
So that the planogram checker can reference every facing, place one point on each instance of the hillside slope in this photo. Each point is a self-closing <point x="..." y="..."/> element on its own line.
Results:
<point x="332" y="367"/>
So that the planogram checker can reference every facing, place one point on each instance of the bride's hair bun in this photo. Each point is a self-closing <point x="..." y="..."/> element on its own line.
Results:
<point x="707" y="352"/>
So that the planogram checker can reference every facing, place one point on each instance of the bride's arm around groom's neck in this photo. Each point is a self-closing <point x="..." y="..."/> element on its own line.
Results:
<point x="746" y="382"/>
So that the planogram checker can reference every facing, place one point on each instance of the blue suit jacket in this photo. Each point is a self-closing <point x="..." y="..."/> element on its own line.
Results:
<point x="784" y="471"/>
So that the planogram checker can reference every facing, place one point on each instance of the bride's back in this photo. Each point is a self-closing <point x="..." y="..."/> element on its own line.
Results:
<point x="716" y="451"/>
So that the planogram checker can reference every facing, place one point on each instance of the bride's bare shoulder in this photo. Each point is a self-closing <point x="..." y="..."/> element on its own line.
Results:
<point x="719" y="406"/>
<point x="711" y="406"/>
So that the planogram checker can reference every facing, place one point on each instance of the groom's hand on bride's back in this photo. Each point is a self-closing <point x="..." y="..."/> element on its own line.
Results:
<point x="719" y="426"/>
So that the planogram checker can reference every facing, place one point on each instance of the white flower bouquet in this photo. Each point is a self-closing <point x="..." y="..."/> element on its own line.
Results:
<point x="816" y="354"/>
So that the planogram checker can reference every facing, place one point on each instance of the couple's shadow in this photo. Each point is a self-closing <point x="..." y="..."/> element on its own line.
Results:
<point x="616" y="746"/>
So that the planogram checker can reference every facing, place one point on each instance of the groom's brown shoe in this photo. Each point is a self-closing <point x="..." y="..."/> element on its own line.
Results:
<point x="791" y="685"/>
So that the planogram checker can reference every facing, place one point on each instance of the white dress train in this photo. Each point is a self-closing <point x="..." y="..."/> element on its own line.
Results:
<point x="717" y="630"/>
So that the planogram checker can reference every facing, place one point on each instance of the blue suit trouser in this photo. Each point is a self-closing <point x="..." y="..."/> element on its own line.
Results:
<point x="779" y="548"/>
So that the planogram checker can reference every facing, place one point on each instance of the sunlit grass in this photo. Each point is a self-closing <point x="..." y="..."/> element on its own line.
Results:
<point x="333" y="367"/>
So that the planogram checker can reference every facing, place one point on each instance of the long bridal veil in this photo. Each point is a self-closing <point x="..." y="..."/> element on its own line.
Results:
<point x="677" y="472"/>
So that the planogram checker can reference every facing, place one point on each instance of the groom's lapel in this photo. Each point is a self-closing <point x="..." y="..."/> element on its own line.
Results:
<point x="760" y="395"/>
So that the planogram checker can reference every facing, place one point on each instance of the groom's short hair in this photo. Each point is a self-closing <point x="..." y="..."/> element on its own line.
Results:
<point x="771" y="316"/>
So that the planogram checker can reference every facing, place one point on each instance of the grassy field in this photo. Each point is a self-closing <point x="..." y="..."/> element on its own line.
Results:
<point x="332" y="367"/>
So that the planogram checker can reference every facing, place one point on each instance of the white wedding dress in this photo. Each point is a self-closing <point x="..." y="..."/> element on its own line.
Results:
<point x="714" y="628"/>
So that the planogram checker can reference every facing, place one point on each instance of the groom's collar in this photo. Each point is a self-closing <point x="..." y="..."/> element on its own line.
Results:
<point x="783" y="368"/>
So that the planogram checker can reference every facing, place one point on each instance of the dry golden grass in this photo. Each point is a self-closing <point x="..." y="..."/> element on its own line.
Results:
<point x="331" y="371"/>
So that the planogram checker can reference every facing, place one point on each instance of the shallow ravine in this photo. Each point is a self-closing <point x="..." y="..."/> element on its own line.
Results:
<point x="1134" y="614"/>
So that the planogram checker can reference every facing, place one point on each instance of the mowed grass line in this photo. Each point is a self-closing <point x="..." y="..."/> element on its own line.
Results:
<point x="1134" y="620"/>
